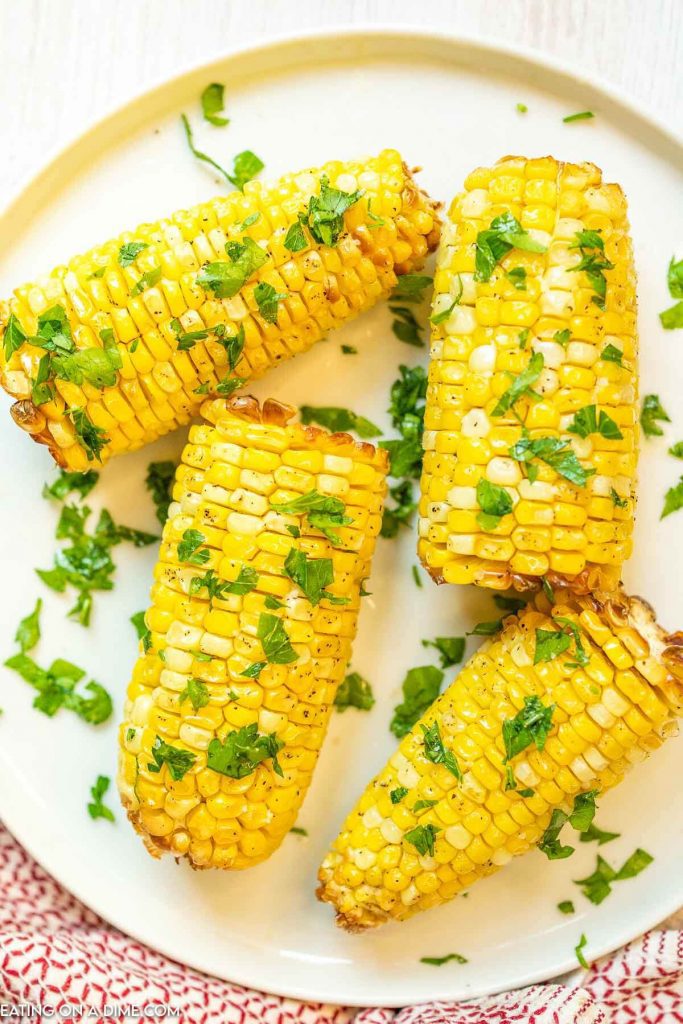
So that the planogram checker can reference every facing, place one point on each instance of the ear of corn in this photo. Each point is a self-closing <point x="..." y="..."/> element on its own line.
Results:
<point x="568" y="516"/>
<point x="139" y="306"/>
<point x="612" y="705"/>
<point x="215" y="756"/>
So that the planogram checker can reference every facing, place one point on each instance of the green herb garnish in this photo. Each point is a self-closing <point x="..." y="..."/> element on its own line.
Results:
<point x="159" y="483"/>
<point x="335" y="418"/>
<point x="212" y="105"/>
<point x="420" y="689"/>
<point x="130" y="251"/>
<point x="96" y="808"/>
<point x="177" y="760"/>
<point x="190" y="548"/>
<point x="422" y="838"/>
<point x="504" y="233"/>
<point x="196" y="692"/>
<point x="324" y="513"/>
<point x="531" y="725"/>
<point x="451" y="649"/>
<point x="652" y="411"/>
<point x="583" y="115"/>
<point x="436" y="752"/>
<point x="354" y="692"/>
<point x="242" y="751"/>
<point x="56" y="688"/>
<point x="28" y="630"/>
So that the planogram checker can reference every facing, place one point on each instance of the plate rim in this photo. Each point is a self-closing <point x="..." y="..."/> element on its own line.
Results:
<point x="561" y="72"/>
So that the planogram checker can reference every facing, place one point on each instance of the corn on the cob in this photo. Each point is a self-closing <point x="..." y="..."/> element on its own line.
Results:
<point x="615" y="696"/>
<point x="532" y="384"/>
<point x="215" y="755"/>
<point x="179" y="308"/>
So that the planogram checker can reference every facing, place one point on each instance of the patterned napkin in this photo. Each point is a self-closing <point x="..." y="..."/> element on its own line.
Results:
<point x="55" y="953"/>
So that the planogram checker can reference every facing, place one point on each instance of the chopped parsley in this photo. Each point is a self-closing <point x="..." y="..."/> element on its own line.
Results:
<point x="563" y="337"/>
<point x="422" y="838"/>
<point x="451" y="649"/>
<point x="416" y="577"/>
<point x="349" y="350"/>
<point x="588" y="421"/>
<point x="335" y="418"/>
<point x="196" y="692"/>
<point x="217" y="589"/>
<point x="13" y="338"/>
<point x="405" y="326"/>
<point x="423" y="805"/>
<point x="494" y="502"/>
<point x="407" y="407"/>
<point x="521" y="385"/>
<point x="532" y="724"/>
<point x="129" y="252"/>
<point x="148" y="280"/>
<point x="616" y="500"/>
<point x="612" y="354"/>
<point x="323" y="513"/>
<point x="96" y="808"/>
<point x="56" y="688"/>
<point x="676" y="450"/>
<point x="566" y="907"/>
<point x="354" y="692"/>
<point x="550" y="644"/>
<point x="517" y="278"/>
<point x="177" y="760"/>
<point x="504" y="233"/>
<point x="439" y="961"/>
<point x="274" y="640"/>
<point x="28" y="630"/>
<point x="580" y="818"/>
<point x="489" y="628"/>
<point x="580" y="946"/>
<point x="246" y="165"/>
<point x="583" y="115"/>
<point x="440" y="318"/>
<point x="91" y="438"/>
<point x="521" y="108"/>
<point x="225" y="278"/>
<point x="242" y="751"/>
<point x="593" y="834"/>
<point x="508" y="604"/>
<point x="593" y="263"/>
<point x="396" y="795"/>
<point x="144" y="634"/>
<point x="267" y="299"/>
<point x="212" y="105"/>
<point x="325" y="214"/>
<point x="652" y="411"/>
<point x="67" y="482"/>
<point x="411" y="287"/>
<point x="672" y="318"/>
<point x="597" y="886"/>
<point x="420" y="689"/>
<point x="296" y="831"/>
<point x="436" y="752"/>
<point x="159" y="483"/>
<point x="311" y="575"/>
<point x="190" y="548"/>
<point x="556" y="453"/>
<point x="673" y="499"/>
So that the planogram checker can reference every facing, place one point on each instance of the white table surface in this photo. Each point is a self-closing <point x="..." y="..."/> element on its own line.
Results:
<point x="64" y="62"/>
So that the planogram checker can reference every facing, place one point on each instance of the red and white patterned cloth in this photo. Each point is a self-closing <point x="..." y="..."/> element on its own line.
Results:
<point x="55" y="952"/>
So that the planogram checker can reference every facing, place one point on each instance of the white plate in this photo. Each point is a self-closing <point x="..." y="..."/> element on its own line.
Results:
<point x="448" y="104"/>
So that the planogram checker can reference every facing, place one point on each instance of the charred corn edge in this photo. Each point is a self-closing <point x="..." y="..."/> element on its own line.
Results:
<point x="619" y="611"/>
<point x="275" y="413"/>
<point x="35" y="422"/>
<point x="223" y="413"/>
<point x="499" y="575"/>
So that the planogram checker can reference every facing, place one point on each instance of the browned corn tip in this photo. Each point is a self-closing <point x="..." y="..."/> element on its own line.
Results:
<point x="592" y="578"/>
<point x="275" y="413"/>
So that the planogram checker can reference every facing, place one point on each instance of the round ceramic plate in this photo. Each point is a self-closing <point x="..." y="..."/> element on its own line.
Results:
<point x="448" y="105"/>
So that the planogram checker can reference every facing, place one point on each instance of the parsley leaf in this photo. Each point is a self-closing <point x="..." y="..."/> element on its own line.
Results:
<point x="196" y="692"/>
<point x="439" y="961"/>
<point x="676" y="450"/>
<point x="411" y="287"/>
<point x="555" y="453"/>
<point x="593" y="264"/>
<point x="267" y="300"/>
<point x="549" y="843"/>
<point x="583" y="941"/>
<point x="295" y="239"/>
<point x="612" y="354"/>
<point x="422" y="838"/>
<point x="508" y="604"/>
<point x="436" y="752"/>
<point x="550" y="644"/>
<point x="274" y="640"/>
<point x="335" y="418"/>
<point x="674" y="278"/>
<point x="521" y="385"/>
<point x="312" y="575"/>
<point x="566" y="907"/>
<point x="67" y="482"/>
<point x="159" y="483"/>
<point x="517" y="278"/>
<point x="651" y="412"/>
<point x="245" y="166"/>
<point x="218" y="589"/>
<point x="673" y="499"/>
<point x="97" y="809"/>
<point x="504" y="233"/>
<point x="28" y="630"/>
<point x="399" y="514"/>
<point x="148" y="280"/>
<point x="144" y="634"/>
<point x="325" y="214"/>
<point x="242" y="751"/>
<point x="91" y="438"/>
<point x="588" y="421"/>
<point x="225" y="279"/>
<point x="354" y="692"/>
<point x="396" y="795"/>
<point x="451" y="649"/>
<point x="489" y="628"/>
<point x="593" y="834"/>
<point x="494" y="502"/>
<point x="420" y="689"/>
<point x="190" y="548"/>
<point x="13" y="338"/>
<point x="212" y="105"/>
<point x="129" y="252"/>
<point x="323" y="513"/>
<point x="405" y="326"/>
<point x="532" y="724"/>
<point x="583" y="115"/>
<point x="177" y="760"/>
<point x="56" y="688"/>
